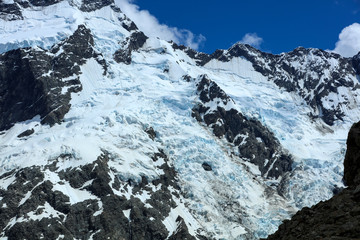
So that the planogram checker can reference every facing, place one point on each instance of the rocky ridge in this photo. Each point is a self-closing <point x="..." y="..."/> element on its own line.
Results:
<point x="321" y="78"/>
<point x="36" y="82"/>
<point x="132" y="43"/>
<point x="12" y="11"/>
<point x="36" y="206"/>
<point x="253" y="141"/>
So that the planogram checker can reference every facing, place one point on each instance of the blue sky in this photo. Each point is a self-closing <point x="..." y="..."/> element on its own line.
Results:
<point x="273" y="26"/>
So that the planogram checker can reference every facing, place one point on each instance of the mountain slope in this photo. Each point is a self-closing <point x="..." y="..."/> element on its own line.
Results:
<point x="138" y="138"/>
<point x="338" y="217"/>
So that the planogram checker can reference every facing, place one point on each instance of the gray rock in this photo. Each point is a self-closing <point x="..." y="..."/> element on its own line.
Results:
<point x="151" y="132"/>
<point x="206" y="166"/>
<point x="31" y="79"/>
<point x="10" y="12"/>
<point x="92" y="5"/>
<point x="259" y="146"/>
<point x="133" y="43"/>
<point x="26" y="133"/>
<point x="88" y="218"/>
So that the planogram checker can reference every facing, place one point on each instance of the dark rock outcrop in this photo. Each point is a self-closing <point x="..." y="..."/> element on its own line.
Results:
<point x="199" y="57"/>
<point x="92" y="5"/>
<point x="181" y="232"/>
<point x="26" y="133"/>
<point x="254" y="141"/>
<point x="337" y="218"/>
<point x="352" y="157"/>
<point x="34" y="196"/>
<point x="35" y="82"/>
<point x="356" y="63"/>
<point x="133" y="43"/>
<point x="10" y="12"/>
<point x="43" y="3"/>
<point x="151" y="132"/>
<point x="206" y="166"/>
<point x="125" y="21"/>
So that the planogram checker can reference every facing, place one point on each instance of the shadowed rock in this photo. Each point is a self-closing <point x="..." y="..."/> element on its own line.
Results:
<point x="337" y="218"/>
<point x="255" y="142"/>
<point x="35" y="82"/>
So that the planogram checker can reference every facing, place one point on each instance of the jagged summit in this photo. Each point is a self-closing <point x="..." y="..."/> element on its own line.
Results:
<point x="12" y="10"/>
<point x="109" y="133"/>
<point x="308" y="72"/>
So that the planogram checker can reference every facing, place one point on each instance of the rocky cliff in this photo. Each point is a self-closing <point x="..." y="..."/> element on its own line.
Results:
<point x="337" y="218"/>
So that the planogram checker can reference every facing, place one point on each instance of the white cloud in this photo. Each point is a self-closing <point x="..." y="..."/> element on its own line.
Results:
<point x="349" y="41"/>
<point x="252" y="39"/>
<point x="152" y="28"/>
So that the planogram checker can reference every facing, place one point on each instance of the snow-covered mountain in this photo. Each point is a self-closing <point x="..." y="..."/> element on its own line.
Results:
<point x="109" y="134"/>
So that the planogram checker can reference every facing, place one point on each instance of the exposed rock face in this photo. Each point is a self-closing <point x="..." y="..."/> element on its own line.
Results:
<point x="151" y="132"/>
<point x="318" y="76"/>
<point x="337" y="218"/>
<point x="136" y="40"/>
<point x="104" y="214"/>
<point x="356" y="63"/>
<point x="181" y="232"/>
<point x="39" y="82"/>
<point x="43" y="2"/>
<point x="254" y="141"/>
<point x="352" y="157"/>
<point x="91" y="5"/>
<point x="10" y="12"/>
<point x="199" y="57"/>
<point x="26" y="133"/>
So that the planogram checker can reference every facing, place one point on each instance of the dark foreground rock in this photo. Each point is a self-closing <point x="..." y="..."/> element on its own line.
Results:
<point x="337" y="218"/>
<point x="352" y="157"/>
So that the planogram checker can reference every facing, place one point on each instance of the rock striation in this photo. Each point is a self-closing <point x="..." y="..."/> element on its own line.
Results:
<point x="254" y="142"/>
<point x="38" y="82"/>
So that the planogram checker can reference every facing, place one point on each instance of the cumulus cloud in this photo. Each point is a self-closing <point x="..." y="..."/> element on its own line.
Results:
<point x="349" y="41"/>
<point x="252" y="39"/>
<point x="152" y="28"/>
